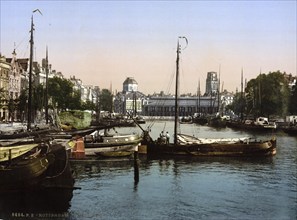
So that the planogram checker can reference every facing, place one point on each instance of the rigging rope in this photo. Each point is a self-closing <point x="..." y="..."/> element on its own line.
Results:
<point x="161" y="102"/>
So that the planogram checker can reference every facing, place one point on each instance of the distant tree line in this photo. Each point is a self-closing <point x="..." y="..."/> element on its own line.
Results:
<point x="62" y="96"/>
<point x="267" y="95"/>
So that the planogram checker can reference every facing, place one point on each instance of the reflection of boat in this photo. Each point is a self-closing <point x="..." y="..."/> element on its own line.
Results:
<point x="84" y="169"/>
<point x="104" y="144"/>
<point x="187" y="145"/>
<point x="42" y="204"/>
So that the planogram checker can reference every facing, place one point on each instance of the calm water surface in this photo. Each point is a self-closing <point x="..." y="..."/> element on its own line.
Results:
<point x="179" y="188"/>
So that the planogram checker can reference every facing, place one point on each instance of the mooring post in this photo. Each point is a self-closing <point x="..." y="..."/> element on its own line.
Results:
<point x="9" y="156"/>
<point x="136" y="167"/>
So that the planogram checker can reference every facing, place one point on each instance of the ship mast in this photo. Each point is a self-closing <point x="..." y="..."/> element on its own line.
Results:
<point x="30" y="73"/>
<point x="176" y="93"/>
<point x="241" y="96"/>
<point x="46" y="87"/>
<point x="177" y="89"/>
<point x="30" y="76"/>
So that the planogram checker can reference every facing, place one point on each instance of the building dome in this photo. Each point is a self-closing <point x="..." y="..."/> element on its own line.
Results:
<point x="130" y="80"/>
<point x="130" y="85"/>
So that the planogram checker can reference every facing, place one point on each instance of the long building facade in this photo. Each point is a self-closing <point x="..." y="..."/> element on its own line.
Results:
<point x="130" y="100"/>
<point x="188" y="106"/>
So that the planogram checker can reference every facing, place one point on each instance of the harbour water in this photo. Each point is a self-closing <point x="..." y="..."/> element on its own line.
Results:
<point x="175" y="188"/>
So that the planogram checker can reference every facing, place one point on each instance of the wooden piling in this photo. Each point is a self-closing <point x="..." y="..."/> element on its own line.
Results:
<point x="136" y="166"/>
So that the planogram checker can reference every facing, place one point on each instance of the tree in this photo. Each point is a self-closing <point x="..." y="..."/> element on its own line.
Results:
<point x="63" y="95"/>
<point x="22" y="104"/>
<point x="75" y="101"/>
<point x="38" y="97"/>
<point x="12" y="107"/>
<point x="293" y="100"/>
<point x="268" y="95"/>
<point x="106" y="100"/>
<point x="238" y="106"/>
<point x="88" y="105"/>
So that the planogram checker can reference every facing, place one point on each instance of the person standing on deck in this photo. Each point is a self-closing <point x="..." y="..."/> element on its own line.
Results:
<point x="167" y="137"/>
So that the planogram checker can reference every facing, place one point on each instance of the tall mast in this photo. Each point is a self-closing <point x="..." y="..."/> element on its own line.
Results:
<point x="134" y="104"/>
<point x="46" y="87"/>
<point x="198" y="96"/>
<point x="241" y="96"/>
<point x="177" y="89"/>
<point x="30" y="76"/>
<point x="260" y="93"/>
<point x="219" y="84"/>
<point x="176" y="93"/>
<point x="30" y="72"/>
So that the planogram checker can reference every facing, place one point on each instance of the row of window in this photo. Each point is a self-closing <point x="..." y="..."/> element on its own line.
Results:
<point x="169" y="110"/>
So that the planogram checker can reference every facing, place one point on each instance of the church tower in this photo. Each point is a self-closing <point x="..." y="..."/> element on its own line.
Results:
<point x="212" y="84"/>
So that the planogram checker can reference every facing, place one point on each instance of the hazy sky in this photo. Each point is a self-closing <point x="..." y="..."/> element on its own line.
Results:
<point x="103" y="42"/>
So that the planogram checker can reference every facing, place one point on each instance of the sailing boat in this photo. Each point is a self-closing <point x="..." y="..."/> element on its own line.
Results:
<point x="33" y="163"/>
<point x="189" y="145"/>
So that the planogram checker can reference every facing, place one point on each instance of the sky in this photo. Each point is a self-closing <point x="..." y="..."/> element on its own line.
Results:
<point x="103" y="42"/>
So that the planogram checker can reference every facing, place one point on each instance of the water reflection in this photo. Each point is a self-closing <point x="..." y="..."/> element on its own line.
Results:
<point x="45" y="204"/>
<point x="97" y="168"/>
<point x="233" y="161"/>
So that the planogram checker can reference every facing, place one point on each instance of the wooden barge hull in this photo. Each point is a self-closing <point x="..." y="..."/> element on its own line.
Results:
<point x="104" y="149"/>
<point x="37" y="171"/>
<point x="267" y="148"/>
<point x="23" y="175"/>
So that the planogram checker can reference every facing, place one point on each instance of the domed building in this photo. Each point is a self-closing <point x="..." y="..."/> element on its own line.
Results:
<point x="130" y="85"/>
<point x="130" y="100"/>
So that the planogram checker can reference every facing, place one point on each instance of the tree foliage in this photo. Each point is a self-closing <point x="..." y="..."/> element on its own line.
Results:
<point x="62" y="94"/>
<point x="293" y="100"/>
<point x="12" y="107"/>
<point x="38" y="97"/>
<point x="88" y="105"/>
<point x="106" y="101"/>
<point x="22" y="104"/>
<point x="238" y="105"/>
<point x="266" y="95"/>
<point x="74" y="102"/>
